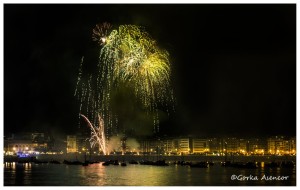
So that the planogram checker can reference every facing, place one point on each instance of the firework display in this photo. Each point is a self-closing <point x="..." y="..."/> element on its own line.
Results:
<point x="97" y="134"/>
<point x="128" y="57"/>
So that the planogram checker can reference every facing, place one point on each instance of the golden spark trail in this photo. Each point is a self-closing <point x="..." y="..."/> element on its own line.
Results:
<point x="97" y="134"/>
<point x="128" y="56"/>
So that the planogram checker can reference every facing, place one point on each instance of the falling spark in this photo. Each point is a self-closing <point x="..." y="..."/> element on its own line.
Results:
<point x="128" y="56"/>
<point x="132" y="56"/>
<point x="79" y="75"/>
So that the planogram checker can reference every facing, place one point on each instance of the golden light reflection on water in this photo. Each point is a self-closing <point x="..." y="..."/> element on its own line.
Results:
<point x="126" y="176"/>
<point x="133" y="175"/>
<point x="27" y="173"/>
<point x="10" y="165"/>
<point x="27" y="166"/>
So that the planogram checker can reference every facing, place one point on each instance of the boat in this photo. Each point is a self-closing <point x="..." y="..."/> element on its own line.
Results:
<point x="106" y="163"/>
<point x="116" y="162"/>
<point x="72" y="162"/>
<point x="54" y="162"/>
<point x="40" y="162"/>
<point x="226" y="164"/>
<point x="199" y="165"/>
<point x="160" y="163"/>
<point x="94" y="162"/>
<point x="133" y="162"/>
<point x="248" y="165"/>
<point x="183" y="163"/>
<point x="146" y="162"/>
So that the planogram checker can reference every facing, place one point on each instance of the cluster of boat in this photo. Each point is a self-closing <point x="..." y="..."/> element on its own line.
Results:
<point x="36" y="161"/>
<point x="143" y="162"/>
<point x="76" y="162"/>
<point x="250" y="165"/>
<point x="283" y="164"/>
<point x="203" y="164"/>
<point x="159" y="163"/>
<point x="253" y="165"/>
<point x="113" y="162"/>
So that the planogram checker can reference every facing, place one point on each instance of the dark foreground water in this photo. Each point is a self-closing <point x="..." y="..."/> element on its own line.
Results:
<point x="31" y="174"/>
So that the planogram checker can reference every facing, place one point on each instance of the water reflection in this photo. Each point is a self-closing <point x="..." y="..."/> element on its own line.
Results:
<point x="136" y="175"/>
<point x="19" y="173"/>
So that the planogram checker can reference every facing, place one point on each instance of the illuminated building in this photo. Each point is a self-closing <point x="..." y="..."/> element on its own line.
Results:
<point x="276" y="145"/>
<point x="257" y="146"/>
<point x="168" y="146"/>
<point x="19" y="146"/>
<point x="150" y="146"/>
<point x="42" y="142"/>
<point x="230" y="145"/>
<point x="200" y="146"/>
<point x="243" y="146"/>
<point x="293" y="146"/>
<point x="183" y="145"/>
<point x="286" y="146"/>
<point x="281" y="145"/>
<point x="72" y="144"/>
<point x="215" y="146"/>
<point x="28" y="143"/>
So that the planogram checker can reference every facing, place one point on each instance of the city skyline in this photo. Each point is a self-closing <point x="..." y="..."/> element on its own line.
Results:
<point x="233" y="66"/>
<point x="41" y="143"/>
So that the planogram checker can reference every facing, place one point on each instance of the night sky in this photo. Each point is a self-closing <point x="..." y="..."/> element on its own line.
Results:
<point x="233" y="66"/>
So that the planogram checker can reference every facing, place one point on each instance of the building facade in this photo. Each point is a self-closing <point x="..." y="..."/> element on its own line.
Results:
<point x="183" y="145"/>
<point x="72" y="146"/>
<point x="200" y="146"/>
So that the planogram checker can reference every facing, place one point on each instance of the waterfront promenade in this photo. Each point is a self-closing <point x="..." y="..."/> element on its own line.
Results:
<point x="171" y="158"/>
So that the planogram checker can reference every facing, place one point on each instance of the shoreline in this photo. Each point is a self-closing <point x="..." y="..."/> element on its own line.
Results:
<point x="171" y="158"/>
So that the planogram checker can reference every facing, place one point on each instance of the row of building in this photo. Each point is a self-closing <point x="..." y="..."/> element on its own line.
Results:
<point x="43" y="143"/>
<point x="28" y="143"/>
<point x="277" y="145"/>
